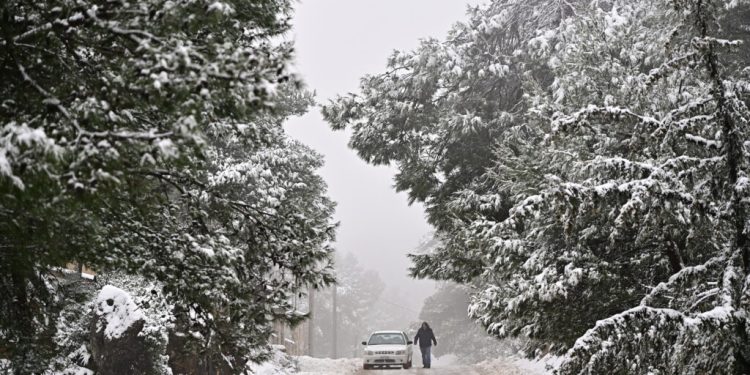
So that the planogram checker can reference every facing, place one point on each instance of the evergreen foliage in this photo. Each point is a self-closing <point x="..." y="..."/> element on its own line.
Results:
<point x="146" y="137"/>
<point x="605" y="215"/>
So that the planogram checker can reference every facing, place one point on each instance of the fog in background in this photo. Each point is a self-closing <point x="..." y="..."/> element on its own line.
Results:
<point x="338" y="42"/>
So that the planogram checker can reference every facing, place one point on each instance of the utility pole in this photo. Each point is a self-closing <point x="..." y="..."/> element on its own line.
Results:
<point x="310" y="320"/>
<point x="334" y="322"/>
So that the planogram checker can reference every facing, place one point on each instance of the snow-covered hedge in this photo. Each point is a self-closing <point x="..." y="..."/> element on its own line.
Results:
<point x="112" y="304"/>
<point x="279" y="363"/>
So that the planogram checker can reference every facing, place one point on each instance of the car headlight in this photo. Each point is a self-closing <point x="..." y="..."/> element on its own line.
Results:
<point x="400" y="352"/>
<point x="368" y="352"/>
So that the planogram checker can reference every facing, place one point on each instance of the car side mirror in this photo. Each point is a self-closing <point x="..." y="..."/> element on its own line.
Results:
<point x="409" y="342"/>
<point x="364" y="342"/>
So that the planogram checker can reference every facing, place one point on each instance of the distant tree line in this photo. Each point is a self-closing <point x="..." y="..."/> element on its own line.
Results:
<point x="461" y="337"/>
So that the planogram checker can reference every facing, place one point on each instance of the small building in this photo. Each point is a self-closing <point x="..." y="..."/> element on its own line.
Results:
<point x="82" y="269"/>
<point x="294" y="339"/>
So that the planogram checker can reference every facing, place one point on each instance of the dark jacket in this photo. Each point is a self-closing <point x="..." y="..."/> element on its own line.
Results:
<point x="425" y="338"/>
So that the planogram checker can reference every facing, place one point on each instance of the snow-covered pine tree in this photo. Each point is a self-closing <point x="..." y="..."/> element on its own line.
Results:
<point x="146" y="137"/>
<point x="438" y="113"/>
<point x="565" y="258"/>
<point x="696" y="320"/>
<point x="616" y="195"/>
<point x="637" y="227"/>
<point x="259" y="229"/>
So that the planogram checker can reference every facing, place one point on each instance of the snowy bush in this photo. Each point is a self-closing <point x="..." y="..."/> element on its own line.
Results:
<point x="133" y="299"/>
<point x="117" y="310"/>
<point x="279" y="363"/>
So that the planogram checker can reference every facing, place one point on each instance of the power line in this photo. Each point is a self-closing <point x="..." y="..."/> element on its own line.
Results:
<point x="398" y="305"/>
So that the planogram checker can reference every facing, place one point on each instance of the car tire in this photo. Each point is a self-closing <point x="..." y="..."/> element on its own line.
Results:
<point x="366" y="366"/>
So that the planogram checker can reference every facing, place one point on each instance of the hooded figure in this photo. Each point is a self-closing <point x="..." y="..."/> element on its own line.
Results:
<point x="425" y="338"/>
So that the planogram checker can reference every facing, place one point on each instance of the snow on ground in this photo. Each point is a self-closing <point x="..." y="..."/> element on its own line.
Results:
<point x="444" y="360"/>
<point x="327" y="366"/>
<point x="513" y="366"/>
<point x="500" y="366"/>
<point x="279" y="363"/>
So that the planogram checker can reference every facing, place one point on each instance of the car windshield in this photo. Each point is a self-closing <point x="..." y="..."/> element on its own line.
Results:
<point x="387" y="339"/>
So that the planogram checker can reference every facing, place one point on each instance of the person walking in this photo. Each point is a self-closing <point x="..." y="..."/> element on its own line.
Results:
<point x="425" y="338"/>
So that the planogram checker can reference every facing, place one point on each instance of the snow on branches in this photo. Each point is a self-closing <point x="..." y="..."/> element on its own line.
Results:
<point x="146" y="137"/>
<point x="606" y="218"/>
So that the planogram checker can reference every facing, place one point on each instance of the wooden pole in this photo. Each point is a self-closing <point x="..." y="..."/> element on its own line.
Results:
<point x="334" y="322"/>
<point x="310" y="321"/>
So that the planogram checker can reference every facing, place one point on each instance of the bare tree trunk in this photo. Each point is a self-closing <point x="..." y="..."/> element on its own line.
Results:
<point x="732" y="146"/>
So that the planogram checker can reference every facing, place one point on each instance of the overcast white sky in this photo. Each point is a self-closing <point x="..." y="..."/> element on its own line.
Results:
<point x="339" y="41"/>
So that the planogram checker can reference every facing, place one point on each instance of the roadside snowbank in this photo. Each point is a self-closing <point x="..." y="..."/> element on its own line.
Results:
<point x="279" y="364"/>
<point x="327" y="366"/>
<point x="516" y="366"/>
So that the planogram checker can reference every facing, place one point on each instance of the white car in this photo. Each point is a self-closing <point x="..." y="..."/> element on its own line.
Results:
<point x="387" y="348"/>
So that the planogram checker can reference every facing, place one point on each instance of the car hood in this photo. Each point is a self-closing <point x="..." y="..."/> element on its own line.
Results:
<point x="381" y="348"/>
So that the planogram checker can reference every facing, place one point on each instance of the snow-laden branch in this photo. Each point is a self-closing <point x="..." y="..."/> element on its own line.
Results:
<point x="654" y="337"/>
<point x="76" y="19"/>
<point x="684" y="275"/>
<point x="593" y="112"/>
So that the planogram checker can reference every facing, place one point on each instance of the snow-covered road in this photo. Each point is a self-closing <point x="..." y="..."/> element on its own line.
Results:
<point x="452" y="370"/>
<point x="432" y="371"/>
<point x="353" y="366"/>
